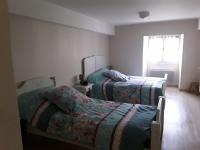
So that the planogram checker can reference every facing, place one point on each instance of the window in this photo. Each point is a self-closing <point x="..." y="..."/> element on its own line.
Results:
<point x="163" y="49"/>
<point x="163" y="53"/>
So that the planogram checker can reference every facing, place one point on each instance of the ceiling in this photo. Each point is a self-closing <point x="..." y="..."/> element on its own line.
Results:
<point x="120" y="12"/>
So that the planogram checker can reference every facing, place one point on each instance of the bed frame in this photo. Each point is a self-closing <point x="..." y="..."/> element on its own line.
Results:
<point x="37" y="83"/>
<point x="34" y="83"/>
<point x="93" y="63"/>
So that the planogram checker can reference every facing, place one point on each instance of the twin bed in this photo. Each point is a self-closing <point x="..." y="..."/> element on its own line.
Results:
<point x="115" y="86"/>
<point x="62" y="113"/>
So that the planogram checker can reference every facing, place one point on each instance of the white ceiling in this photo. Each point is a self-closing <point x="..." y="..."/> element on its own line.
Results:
<point x="120" y="12"/>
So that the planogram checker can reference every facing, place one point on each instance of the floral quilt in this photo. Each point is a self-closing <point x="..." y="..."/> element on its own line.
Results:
<point x="137" y="90"/>
<point x="100" y="124"/>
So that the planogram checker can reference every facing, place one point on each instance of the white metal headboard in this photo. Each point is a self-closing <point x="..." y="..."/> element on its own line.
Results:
<point x="92" y="64"/>
<point x="35" y="83"/>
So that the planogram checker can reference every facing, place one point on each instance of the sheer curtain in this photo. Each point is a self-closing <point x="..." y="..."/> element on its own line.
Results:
<point x="164" y="49"/>
<point x="163" y="53"/>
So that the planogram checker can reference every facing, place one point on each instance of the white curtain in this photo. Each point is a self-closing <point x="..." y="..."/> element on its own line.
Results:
<point x="164" y="49"/>
<point x="163" y="54"/>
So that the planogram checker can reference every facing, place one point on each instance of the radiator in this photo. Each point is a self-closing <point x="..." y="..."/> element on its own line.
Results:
<point x="161" y="73"/>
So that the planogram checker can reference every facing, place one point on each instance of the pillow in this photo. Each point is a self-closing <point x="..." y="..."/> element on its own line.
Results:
<point x="66" y="98"/>
<point x="29" y="102"/>
<point x="97" y="76"/>
<point x="116" y="75"/>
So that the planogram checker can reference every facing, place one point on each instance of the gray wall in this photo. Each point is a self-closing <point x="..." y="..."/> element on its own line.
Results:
<point x="46" y="49"/>
<point x="127" y="47"/>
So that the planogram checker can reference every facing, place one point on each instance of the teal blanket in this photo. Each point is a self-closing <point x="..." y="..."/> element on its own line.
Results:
<point x="100" y="124"/>
<point x="137" y="90"/>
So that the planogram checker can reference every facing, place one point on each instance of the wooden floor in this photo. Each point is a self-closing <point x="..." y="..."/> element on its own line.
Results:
<point x="181" y="130"/>
<point x="182" y="121"/>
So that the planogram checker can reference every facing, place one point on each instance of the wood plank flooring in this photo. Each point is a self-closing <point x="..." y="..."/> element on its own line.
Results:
<point x="182" y="121"/>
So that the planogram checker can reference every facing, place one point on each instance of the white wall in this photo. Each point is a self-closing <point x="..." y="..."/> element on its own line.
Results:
<point x="46" y="11"/>
<point x="10" y="136"/>
<point x="127" y="47"/>
<point x="42" y="48"/>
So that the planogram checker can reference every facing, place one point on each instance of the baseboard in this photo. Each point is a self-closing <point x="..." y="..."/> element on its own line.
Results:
<point x="184" y="90"/>
<point x="172" y="85"/>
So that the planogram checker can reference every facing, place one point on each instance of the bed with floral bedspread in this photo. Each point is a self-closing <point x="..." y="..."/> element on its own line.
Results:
<point x="103" y="125"/>
<point x="136" y="89"/>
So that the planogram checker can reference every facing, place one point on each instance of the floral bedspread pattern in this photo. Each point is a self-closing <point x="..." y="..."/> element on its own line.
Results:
<point x="103" y="125"/>
<point x="137" y="90"/>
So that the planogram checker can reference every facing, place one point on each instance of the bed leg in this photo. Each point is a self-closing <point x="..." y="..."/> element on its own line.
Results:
<point x="155" y="136"/>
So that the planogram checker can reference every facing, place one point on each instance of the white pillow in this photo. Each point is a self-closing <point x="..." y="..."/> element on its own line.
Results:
<point x="116" y="75"/>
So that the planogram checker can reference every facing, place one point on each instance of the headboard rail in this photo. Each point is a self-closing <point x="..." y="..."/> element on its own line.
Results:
<point x="35" y="83"/>
<point x="93" y="63"/>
